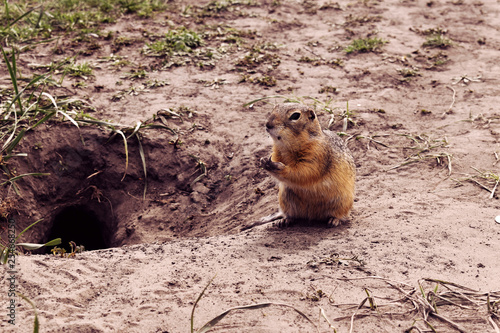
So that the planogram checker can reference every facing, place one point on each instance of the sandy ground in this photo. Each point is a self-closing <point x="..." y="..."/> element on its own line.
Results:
<point x="433" y="107"/>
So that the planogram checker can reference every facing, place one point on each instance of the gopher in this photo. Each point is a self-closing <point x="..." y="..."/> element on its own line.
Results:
<point x="314" y="167"/>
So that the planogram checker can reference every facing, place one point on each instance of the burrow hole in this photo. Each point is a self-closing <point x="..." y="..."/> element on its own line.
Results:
<point x="82" y="225"/>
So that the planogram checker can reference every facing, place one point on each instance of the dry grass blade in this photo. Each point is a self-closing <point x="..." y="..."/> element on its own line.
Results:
<point x="18" y="138"/>
<point x="375" y="277"/>
<point x="448" y="157"/>
<point x="198" y="300"/>
<point x="36" y="323"/>
<point x="422" y="151"/>
<point x="345" y="115"/>
<point x="370" y="138"/>
<point x="491" y="178"/>
<point x="7" y="157"/>
<point x="12" y="144"/>
<point x="136" y="130"/>
<point x="446" y="300"/>
<point x="323" y="314"/>
<point x="59" y="111"/>
<point x="287" y="99"/>
<point x="371" y="300"/>
<point x="171" y="113"/>
<point x="413" y="328"/>
<point x="44" y="119"/>
<point x="494" y="189"/>
<point x="202" y="166"/>
<point x="419" y="158"/>
<point x="351" y="327"/>
<point x="159" y="126"/>
<point x="495" y="326"/>
<point x="4" y="255"/>
<point x="126" y="152"/>
<point x="13" y="179"/>
<point x="208" y="326"/>
<point x="446" y="283"/>
<point x="373" y="307"/>
<point x="452" y="102"/>
<point x="432" y="304"/>
<point x="143" y="159"/>
<point x="33" y="246"/>
<point x="101" y="123"/>
<point x="6" y="250"/>
<point x="451" y="323"/>
<point x="432" y="309"/>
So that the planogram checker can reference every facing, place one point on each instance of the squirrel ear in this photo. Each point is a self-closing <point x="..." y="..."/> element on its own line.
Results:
<point x="312" y="115"/>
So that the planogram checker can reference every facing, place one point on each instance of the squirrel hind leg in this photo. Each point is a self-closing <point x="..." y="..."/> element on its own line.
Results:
<point x="285" y="222"/>
<point x="282" y="221"/>
<point x="335" y="222"/>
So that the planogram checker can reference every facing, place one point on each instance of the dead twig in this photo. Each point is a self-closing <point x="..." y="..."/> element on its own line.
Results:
<point x="488" y="176"/>
<point x="422" y="151"/>
<point x="370" y="139"/>
<point x="428" y="302"/>
<point x="494" y="189"/>
<point x="495" y="326"/>
<point x="451" y="323"/>
<point x="465" y="79"/>
<point x="452" y="102"/>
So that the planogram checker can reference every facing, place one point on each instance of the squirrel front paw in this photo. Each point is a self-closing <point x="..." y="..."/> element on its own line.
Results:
<point x="269" y="165"/>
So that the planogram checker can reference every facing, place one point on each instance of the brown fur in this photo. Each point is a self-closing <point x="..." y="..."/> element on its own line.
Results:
<point x="315" y="168"/>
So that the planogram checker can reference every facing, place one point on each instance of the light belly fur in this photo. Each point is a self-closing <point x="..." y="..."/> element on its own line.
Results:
<point x="317" y="202"/>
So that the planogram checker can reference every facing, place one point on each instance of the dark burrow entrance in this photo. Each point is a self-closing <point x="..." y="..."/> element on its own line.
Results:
<point x="83" y="226"/>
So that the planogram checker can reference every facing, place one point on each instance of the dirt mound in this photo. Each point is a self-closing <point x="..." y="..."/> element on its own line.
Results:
<point x="91" y="185"/>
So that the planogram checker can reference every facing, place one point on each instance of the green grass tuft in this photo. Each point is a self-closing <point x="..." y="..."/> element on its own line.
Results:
<point x="437" y="40"/>
<point x="179" y="40"/>
<point x="20" y="21"/>
<point x="364" y="45"/>
<point x="83" y="70"/>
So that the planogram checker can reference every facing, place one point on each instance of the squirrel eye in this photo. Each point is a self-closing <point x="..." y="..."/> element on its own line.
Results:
<point x="295" y="116"/>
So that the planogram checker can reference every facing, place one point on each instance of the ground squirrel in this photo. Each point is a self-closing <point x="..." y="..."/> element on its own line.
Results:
<point x="315" y="169"/>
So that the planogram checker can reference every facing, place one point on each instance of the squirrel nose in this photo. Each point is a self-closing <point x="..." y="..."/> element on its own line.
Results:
<point x="269" y="125"/>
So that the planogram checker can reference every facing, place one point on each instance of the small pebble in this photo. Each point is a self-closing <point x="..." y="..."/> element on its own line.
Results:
<point x="497" y="219"/>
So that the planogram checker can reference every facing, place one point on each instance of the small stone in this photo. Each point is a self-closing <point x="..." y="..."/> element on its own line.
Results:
<point x="196" y="197"/>
<point x="129" y="230"/>
<point x="200" y="188"/>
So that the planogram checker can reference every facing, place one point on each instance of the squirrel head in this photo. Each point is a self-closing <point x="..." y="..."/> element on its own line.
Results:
<point x="290" y="124"/>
